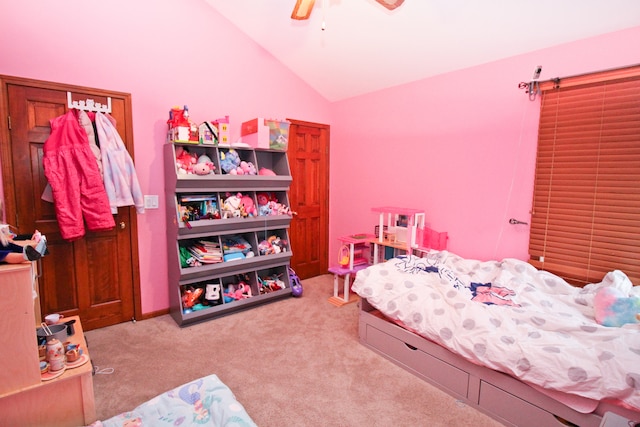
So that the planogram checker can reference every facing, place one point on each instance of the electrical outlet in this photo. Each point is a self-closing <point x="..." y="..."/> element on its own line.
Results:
<point x="151" y="201"/>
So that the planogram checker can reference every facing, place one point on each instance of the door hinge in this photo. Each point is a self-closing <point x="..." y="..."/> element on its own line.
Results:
<point x="9" y="122"/>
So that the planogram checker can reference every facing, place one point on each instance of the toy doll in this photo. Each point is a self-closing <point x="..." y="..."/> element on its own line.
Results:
<point x="17" y="251"/>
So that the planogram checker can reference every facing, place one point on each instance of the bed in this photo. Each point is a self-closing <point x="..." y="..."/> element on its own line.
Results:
<point x="519" y="344"/>
<point x="206" y="401"/>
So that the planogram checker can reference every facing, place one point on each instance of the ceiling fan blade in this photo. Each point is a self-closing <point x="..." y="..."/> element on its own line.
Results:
<point x="302" y="9"/>
<point x="391" y="4"/>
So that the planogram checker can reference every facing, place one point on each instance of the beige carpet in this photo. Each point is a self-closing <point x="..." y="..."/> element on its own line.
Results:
<point x="293" y="362"/>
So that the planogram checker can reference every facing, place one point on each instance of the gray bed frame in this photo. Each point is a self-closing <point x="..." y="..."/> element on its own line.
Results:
<point x="498" y="395"/>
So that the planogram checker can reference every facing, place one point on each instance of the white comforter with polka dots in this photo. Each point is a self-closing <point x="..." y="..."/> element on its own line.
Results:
<point x="511" y="317"/>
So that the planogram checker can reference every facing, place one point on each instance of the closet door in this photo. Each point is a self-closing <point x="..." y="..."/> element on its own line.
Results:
<point x="308" y="154"/>
<point x="95" y="277"/>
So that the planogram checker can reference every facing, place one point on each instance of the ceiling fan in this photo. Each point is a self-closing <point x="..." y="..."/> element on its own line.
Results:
<point x="302" y="9"/>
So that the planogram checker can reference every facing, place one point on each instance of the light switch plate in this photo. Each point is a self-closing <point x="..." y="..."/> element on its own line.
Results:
<point x="151" y="201"/>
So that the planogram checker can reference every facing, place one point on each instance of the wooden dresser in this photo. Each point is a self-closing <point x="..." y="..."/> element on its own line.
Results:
<point x="25" y="399"/>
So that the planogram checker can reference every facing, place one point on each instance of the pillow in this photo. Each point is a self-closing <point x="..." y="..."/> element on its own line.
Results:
<point x="614" y="308"/>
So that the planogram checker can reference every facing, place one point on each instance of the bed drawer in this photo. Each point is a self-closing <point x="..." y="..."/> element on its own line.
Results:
<point x="418" y="362"/>
<point x="509" y="407"/>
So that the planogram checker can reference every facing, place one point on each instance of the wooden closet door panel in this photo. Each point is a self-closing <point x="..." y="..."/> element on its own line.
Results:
<point x="94" y="277"/>
<point x="308" y="154"/>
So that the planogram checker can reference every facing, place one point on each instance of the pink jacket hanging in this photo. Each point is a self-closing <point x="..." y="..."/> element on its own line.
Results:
<point x="70" y="167"/>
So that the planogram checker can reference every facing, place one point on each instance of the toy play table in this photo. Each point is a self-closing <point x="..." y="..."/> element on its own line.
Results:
<point x="346" y="274"/>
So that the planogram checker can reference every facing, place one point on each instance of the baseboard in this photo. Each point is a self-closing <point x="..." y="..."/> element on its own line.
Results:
<point x="154" y="314"/>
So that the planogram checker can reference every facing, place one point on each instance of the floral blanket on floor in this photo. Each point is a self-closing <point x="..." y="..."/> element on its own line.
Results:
<point x="204" y="402"/>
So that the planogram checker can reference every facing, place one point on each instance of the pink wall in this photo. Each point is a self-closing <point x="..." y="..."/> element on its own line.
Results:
<point x="163" y="53"/>
<point x="462" y="146"/>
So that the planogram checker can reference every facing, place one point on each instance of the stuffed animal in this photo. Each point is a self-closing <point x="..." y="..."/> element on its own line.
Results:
<point x="232" y="206"/>
<point x="248" y="205"/>
<point x="279" y="245"/>
<point x="265" y="248"/>
<point x="266" y="172"/>
<point x="264" y="208"/>
<point x="247" y="168"/>
<point x="614" y="308"/>
<point x="229" y="162"/>
<point x="278" y="208"/>
<point x="185" y="160"/>
<point x="204" y="165"/>
<point x="201" y="169"/>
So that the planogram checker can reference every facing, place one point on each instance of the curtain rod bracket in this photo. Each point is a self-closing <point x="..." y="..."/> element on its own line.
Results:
<point x="89" y="104"/>
<point x="533" y="86"/>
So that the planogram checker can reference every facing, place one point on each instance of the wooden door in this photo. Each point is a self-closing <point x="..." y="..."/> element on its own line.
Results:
<point x="95" y="277"/>
<point x="308" y="154"/>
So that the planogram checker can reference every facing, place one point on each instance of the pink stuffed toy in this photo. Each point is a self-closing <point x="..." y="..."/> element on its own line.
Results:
<point x="615" y="308"/>
<point x="204" y="165"/>
<point x="185" y="161"/>
<point x="266" y="172"/>
<point x="248" y="205"/>
<point x="247" y="168"/>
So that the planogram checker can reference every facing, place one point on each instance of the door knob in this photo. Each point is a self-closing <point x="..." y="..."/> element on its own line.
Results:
<point x="123" y="225"/>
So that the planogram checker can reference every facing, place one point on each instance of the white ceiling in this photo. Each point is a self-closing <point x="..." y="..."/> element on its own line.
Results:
<point x="366" y="47"/>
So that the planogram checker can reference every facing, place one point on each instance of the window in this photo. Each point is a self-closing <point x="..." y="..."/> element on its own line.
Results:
<point x="586" y="204"/>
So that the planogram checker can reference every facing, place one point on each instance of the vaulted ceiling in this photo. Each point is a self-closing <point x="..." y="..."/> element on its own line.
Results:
<point x="365" y="47"/>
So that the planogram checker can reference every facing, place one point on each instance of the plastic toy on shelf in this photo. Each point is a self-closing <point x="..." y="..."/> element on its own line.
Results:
<point x="403" y="229"/>
<point x="397" y="229"/>
<point x="430" y="239"/>
<point x="353" y="256"/>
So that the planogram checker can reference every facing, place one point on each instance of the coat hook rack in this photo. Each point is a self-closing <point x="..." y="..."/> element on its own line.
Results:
<point x="89" y="104"/>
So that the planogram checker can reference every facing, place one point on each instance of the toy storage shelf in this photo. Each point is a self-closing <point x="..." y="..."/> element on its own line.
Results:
<point x="230" y="267"/>
<point x="181" y="233"/>
<point x="270" y="159"/>
<point x="233" y="307"/>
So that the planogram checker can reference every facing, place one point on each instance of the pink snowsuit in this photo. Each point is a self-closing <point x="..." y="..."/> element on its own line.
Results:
<point x="71" y="169"/>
